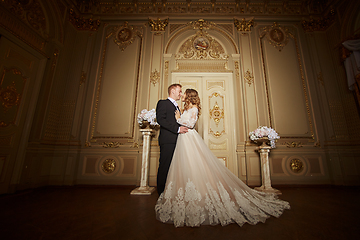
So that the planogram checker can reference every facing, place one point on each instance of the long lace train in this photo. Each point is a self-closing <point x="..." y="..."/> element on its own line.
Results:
<point x="200" y="190"/>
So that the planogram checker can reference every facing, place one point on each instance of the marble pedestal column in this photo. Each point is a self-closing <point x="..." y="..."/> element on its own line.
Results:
<point x="144" y="188"/>
<point x="264" y="151"/>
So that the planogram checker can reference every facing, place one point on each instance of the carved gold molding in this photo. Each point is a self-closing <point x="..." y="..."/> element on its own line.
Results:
<point x="14" y="24"/>
<point x="296" y="165"/>
<point x="11" y="88"/>
<point x="3" y="124"/>
<point x="81" y="23"/>
<point x="216" y="113"/>
<point x="201" y="46"/>
<point x="266" y="81"/>
<point x="276" y="35"/>
<point x="112" y="144"/>
<point x="29" y="11"/>
<point x="320" y="24"/>
<point x="237" y="71"/>
<point x="125" y="35"/>
<point x="304" y="87"/>
<point x="248" y="7"/>
<point x="135" y="145"/>
<point x="158" y="26"/>
<point x="9" y="96"/>
<point x="293" y="144"/>
<point x="201" y="66"/>
<point x="201" y="24"/>
<point x="82" y="78"/>
<point x="243" y="25"/>
<point x="196" y="25"/>
<point x="217" y="133"/>
<point x="6" y="141"/>
<point x="56" y="55"/>
<point x="249" y="77"/>
<point x="108" y="165"/>
<point x="155" y="77"/>
<point x="166" y="73"/>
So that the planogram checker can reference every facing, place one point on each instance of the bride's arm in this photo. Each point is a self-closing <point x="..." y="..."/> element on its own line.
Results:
<point x="188" y="119"/>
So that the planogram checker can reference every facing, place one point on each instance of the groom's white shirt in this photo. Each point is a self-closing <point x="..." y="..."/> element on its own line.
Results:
<point x="176" y="105"/>
<point x="173" y="102"/>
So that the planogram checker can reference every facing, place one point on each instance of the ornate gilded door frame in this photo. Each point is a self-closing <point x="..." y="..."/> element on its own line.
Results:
<point x="217" y="122"/>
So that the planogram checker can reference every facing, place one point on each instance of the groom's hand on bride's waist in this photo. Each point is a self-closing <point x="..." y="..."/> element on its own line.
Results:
<point x="183" y="129"/>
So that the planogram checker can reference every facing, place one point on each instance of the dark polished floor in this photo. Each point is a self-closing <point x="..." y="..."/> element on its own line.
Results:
<point x="96" y="212"/>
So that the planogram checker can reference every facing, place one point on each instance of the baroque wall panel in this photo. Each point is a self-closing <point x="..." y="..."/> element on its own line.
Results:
<point x="116" y="96"/>
<point x="108" y="167"/>
<point x="286" y="88"/>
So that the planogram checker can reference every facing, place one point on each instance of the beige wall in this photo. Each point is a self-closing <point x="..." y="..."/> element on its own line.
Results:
<point x="83" y="127"/>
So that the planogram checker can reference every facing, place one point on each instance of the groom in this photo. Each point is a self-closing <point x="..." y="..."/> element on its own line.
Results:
<point x="169" y="130"/>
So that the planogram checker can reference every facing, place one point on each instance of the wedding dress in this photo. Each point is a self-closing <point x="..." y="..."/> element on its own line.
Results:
<point x="200" y="190"/>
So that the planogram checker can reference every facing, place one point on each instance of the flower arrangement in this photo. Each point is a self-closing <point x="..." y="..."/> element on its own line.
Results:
<point x="146" y="118"/>
<point x="262" y="132"/>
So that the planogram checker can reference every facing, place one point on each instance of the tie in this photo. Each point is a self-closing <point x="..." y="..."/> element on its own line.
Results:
<point x="177" y="107"/>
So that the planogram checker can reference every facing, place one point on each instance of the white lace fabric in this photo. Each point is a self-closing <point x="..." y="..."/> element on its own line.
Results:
<point x="200" y="190"/>
<point x="189" y="117"/>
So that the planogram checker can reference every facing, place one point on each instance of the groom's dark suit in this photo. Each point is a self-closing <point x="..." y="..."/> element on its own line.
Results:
<point x="165" y="116"/>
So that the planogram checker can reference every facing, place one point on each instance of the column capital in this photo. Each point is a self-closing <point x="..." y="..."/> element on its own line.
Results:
<point x="158" y="26"/>
<point x="244" y="26"/>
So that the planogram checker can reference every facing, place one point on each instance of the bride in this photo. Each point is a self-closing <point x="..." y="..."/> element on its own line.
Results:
<point x="200" y="190"/>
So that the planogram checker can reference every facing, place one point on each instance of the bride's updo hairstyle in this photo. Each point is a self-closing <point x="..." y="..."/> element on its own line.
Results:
<point x="192" y="97"/>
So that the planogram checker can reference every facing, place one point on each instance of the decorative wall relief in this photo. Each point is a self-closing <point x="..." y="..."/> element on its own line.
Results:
<point x="216" y="113"/>
<point x="108" y="165"/>
<point x="30" y="12"/>
<point x="125" y="35"/>
<point x="184" y="8"/>
<point x="296" y="165"/>
<point x="201" y="24"/>
<point x="249" y="77"/>
<point x="11" y="89"/>
<point x="112" y="144"/>
<point x="14" y="16"/>
<point x="166" y="72"/>
<point x="243" y="25"/>
<point x="158" y="26"/>
<point x="276" y="35"/>
<point x="155" y="77"/>
<point x="81" y="23"/>
<point x="320" y="24"/>
<point x="201" y="46"/>
<point x="293" y="144"/>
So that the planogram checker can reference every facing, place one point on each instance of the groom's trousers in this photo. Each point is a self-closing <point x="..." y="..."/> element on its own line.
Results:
<point x="166" y="154"/>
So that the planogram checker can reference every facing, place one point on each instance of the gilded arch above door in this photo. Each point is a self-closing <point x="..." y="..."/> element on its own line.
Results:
<point x="201" y="46"/>
<point x="186" y="31"/>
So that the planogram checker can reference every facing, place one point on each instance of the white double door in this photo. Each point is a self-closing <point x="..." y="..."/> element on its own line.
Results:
<point x="216" y="123"/>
